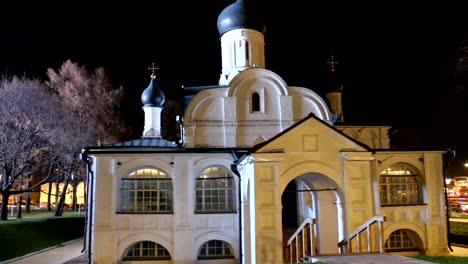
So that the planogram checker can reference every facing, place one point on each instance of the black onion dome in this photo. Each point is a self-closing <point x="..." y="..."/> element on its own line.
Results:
<point x="153" y="96"/>
<point x="242" y="14"/>
<point x="333" y="82"/>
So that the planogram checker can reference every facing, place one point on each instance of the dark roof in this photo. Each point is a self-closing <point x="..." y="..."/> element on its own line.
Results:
<point x="137" y="149"/>
<point x="242" y="14"/>
<point x="311" y="115"/>
<point x="195" y="89"/>
<point x="145" y="142"/>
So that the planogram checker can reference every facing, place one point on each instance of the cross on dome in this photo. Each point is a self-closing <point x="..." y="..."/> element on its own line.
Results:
<point x="153" y="68"/>
<point x="332" y="62"/>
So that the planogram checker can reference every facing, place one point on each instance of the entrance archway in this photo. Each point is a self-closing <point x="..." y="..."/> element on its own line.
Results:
<point x="316" y="196"/>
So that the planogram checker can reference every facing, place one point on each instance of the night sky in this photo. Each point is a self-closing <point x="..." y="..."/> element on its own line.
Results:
<point x="394" y="55"/>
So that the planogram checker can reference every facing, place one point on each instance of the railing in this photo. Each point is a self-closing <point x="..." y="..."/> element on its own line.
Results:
<point x="345" y="246"/>
<point x="303" y="241"/>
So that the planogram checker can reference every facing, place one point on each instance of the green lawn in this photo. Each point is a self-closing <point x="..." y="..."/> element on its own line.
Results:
<point x="38" y="230"/>
<point x="459" y="228"/>
<point x="444" y="260"/>
<point x="41" y="213"/>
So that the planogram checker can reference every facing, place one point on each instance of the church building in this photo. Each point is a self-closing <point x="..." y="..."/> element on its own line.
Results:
<point x="265" y="172"/>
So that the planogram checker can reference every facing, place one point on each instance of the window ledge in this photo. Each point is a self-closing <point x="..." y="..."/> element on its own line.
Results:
<point x="214" y="257"/>
<point x="215" y="212"/>
<point x="403" y="205"/>
<point x="120" y="212"/>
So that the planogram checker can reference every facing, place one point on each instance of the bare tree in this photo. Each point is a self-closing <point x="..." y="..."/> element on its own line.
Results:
<point x="27" y="113"/>
<point x="460" y="62"/>
<point x="93" y="117"/>
<point x="90" y="98"/>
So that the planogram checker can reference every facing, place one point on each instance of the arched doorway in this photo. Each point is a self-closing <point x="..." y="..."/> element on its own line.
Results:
<point x="289" y="205"/>
<point x="316" y="196"/>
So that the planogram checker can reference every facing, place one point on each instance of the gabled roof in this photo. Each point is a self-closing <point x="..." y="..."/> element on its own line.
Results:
<point x="309" y="116"/>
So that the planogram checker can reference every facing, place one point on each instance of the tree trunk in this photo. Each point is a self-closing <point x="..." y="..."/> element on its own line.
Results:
<point x="28" y="203"/>
<point x="4" y="213"/>
<point x="20" y="201"/>
<point x="74" y="206"/>
<point x="57" y="188"/>
<point x="59" y="207"/>
<point x="49" y="193"/>
<point x="28" y="198"/>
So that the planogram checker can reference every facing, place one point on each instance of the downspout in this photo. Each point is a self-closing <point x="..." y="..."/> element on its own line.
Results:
<point x="180" y="121"/>
<point x="448" y="157"/>
<point x="239" y="198"/>
<point x="89" y="190"/>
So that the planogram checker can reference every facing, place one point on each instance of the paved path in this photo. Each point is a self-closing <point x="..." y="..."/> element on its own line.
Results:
<point x="53" y="255"/>
<point x="454" y="219"/>
<point x="372" y="259"/>
<point x="459" y="251"/>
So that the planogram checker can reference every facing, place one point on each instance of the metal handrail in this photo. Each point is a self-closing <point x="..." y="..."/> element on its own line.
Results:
<point x="308" y="221"/>
<point x="361" y="228"/>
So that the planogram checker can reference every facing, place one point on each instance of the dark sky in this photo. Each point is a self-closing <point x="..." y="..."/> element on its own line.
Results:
<point x="393" y="55"/>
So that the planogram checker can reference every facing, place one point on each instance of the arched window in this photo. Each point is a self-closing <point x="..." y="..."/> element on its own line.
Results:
<point x="215" y="191"/>
<point x="146" y="250"/>
<point x="399" y="186"/>
<point x="215" y="249"/>
<point x="255" y="102"/>
<point x="401" y="240"/>
<point x="147" y="190"/>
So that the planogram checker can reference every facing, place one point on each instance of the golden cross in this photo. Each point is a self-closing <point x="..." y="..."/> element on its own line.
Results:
<point x="153" y="68"/>
<point x="332" y="62"/>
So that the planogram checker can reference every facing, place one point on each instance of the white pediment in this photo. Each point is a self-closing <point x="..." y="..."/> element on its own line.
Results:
<point x="310" y="135"/>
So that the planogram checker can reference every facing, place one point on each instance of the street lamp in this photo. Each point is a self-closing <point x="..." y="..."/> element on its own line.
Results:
<point x="448" y="181"/>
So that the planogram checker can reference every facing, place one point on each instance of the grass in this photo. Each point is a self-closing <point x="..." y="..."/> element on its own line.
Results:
<point x="459" y="228"/>
<point x="38" y="230"/>
<point x="42" y="213"/>
<point x="444" y="260"/>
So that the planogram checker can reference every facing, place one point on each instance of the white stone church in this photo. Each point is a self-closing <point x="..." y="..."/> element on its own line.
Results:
<point x="265" y="172"/>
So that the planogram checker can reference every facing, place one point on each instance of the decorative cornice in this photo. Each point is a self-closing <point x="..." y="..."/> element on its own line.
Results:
<point x="243" y="123"/>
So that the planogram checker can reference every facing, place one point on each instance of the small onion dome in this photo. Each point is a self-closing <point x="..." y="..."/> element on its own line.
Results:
<point x="241" y="14"/>
<point x="153" y="96"/>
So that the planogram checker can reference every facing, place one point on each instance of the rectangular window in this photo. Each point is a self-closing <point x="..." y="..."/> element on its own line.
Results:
<point x="399" y="190"/>
<point x="146" y="195"/>
<point x="215" y="195"/>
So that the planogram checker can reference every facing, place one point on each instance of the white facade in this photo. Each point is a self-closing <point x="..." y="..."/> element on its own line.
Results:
<point x="256" y="106"/>
<point x="247" y="143"/>
<point x="182" y="232"/>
